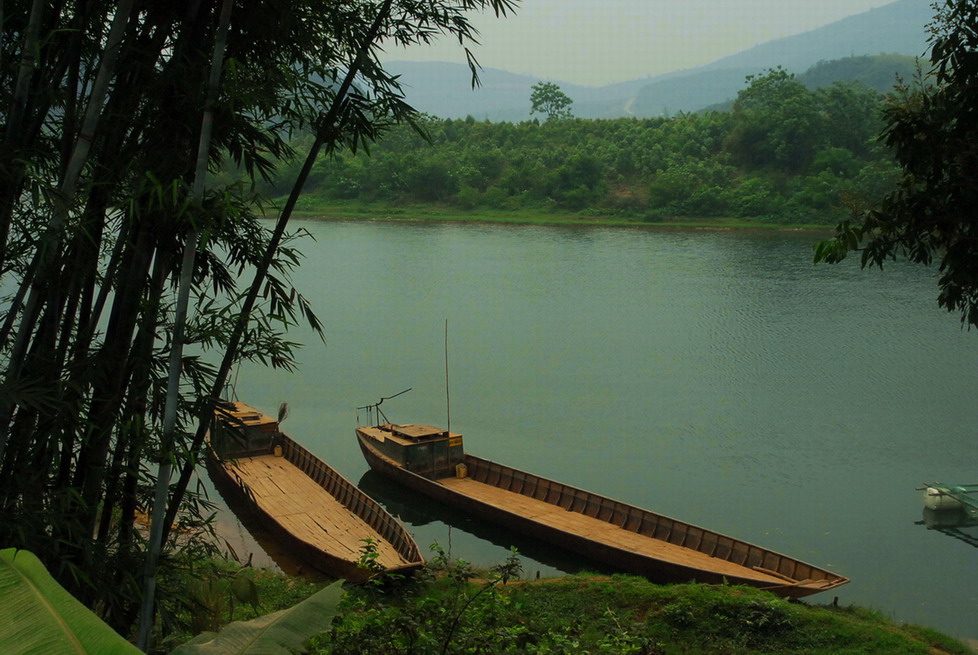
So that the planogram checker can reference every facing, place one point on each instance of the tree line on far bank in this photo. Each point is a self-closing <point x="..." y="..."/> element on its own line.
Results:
<point x="783" y="153"/>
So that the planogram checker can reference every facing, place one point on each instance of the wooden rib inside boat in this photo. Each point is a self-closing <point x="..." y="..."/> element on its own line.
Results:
<point x="318" y="515"/>
<point x="616" y="534"/>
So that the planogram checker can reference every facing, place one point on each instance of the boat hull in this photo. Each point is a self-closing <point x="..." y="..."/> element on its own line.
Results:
<point x="620" y="558"/>
<point x="318" y="516"/>
<point x="301" y="550"/>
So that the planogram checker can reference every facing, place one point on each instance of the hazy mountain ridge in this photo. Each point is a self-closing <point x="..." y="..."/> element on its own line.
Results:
<point x="899" y="27"/>
<point x="878" y="72"/>
<point x="444" y="89"/>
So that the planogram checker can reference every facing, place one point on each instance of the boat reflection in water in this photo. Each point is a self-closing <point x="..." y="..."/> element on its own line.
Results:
<point x="418" y="511"/>
<point x="952" y="510"/>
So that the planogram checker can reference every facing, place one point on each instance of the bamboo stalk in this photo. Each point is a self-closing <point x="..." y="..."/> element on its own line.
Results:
<point x="109" y="377"/>
<point x="28" y="62"/>
<point x="15" y="119"/>
<point x="327" y="130"/>
<point x="176" y="348"/>
<point x="49" y="243"/>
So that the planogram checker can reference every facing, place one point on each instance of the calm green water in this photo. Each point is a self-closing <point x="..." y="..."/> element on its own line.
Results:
<point x="714" y="376"/>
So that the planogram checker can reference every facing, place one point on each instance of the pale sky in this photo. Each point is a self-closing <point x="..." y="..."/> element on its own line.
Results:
<point x="599" y="42"/>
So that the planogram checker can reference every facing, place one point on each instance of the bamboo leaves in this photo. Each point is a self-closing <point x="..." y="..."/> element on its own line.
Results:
<point x="120" y="246"/>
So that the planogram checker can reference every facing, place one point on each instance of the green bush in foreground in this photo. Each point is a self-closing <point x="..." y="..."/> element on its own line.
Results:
<point x="452" y="608"/>
<point x="453" y="613"/>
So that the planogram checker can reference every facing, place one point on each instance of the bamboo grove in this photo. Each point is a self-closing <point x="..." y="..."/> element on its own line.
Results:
<point x="112" y="114"/>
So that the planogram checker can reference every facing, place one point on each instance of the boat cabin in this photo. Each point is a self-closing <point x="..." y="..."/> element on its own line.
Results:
<point x="422" y="449"/>
<point x="240" y="430"/>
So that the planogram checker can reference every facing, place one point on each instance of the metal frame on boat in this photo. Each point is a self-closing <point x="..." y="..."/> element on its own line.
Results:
<point x="622" y="536"/>
<point x="317" y="514"/>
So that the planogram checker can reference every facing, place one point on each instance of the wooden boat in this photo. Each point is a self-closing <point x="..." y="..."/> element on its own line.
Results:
<point x="318" y="515"/>
<point x="624" y="537"/>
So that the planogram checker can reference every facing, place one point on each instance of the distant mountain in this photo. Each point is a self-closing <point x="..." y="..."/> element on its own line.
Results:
<point x="899" y="27"/>
<point x="443" y="89"/>
<point x="689" y="92"/>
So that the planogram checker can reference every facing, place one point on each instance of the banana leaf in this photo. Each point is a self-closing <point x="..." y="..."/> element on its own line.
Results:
<point x="40" y="617"/>
<point x="279" y="633"/>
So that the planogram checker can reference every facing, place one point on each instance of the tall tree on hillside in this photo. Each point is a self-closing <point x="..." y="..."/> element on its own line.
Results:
<point x="777" y="123"/>
<point x="104" y="105"/>
<point x="933" y="131"/>
<point x="547" y="98"/>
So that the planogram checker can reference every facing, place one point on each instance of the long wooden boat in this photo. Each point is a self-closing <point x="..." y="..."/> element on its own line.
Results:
<point x="317" y="514"/>
<point x="622" y="536"/>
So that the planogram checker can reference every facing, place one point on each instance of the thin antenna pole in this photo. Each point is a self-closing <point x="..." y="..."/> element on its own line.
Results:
<point x="448" y="398"/>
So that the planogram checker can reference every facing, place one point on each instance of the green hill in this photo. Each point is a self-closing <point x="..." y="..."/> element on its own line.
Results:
<point x="879" y="72"/>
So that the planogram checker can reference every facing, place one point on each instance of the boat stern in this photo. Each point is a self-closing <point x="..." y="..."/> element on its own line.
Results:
<point x="423" y="449"/>
<point x="240" y="430"/>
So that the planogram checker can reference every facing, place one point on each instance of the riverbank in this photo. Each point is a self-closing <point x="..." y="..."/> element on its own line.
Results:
<point x="311" y="209"/>
<point x="453" y="608"/>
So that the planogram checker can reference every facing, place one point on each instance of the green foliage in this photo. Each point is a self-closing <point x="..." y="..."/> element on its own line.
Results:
<point x="39" y="616"/>
<point x="878" y="72"/>
<point x="739" y="619"/>
<point x="443" y="612"/>
<point x="754" y="197"/>
<point x="623" y="614"/>
<point x="777" y="123"/>
<point x="113" y="113"/>
<point x="766" y="159"/>
<point x="369" y="557"/>
<point x="931" y="127"/>
<point x="369" y="561"/>
<point x="694" y="186"/>
<point x="547" y="98"/>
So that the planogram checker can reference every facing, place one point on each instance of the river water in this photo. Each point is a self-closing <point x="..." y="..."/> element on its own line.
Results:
<point x="714" y="376"/>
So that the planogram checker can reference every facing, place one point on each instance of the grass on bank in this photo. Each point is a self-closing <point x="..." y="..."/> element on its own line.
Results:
<point x="622" y="614"/>
<point x="314" y="209"/>
<point x="452" y="609"/>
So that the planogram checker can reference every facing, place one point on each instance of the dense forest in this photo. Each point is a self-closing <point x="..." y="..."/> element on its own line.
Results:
<point x="783" y="153"/>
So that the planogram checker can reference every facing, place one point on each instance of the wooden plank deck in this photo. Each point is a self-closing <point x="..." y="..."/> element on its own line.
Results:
<point x="307" y="511"/>
<point x="599" y="531"/>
